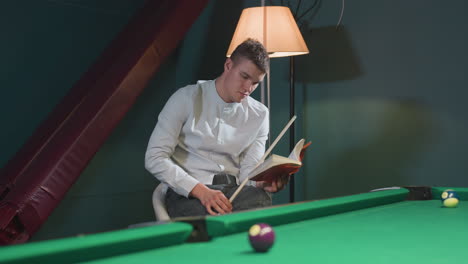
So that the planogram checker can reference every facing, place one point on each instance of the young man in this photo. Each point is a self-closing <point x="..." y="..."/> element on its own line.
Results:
<point x="210" y="135"/>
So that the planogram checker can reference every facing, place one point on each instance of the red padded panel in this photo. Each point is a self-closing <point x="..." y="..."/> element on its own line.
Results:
<point x="39" y="175"/>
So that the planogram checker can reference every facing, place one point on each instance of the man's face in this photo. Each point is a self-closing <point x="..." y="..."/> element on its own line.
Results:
<point x="242" y="77"/>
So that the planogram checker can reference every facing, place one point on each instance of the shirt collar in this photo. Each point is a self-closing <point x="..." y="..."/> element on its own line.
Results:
<point x="219" y="101"/>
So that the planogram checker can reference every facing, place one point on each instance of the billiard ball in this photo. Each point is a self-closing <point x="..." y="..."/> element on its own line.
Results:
<point x="449" y="198"/>
<point x="261" y="237"/>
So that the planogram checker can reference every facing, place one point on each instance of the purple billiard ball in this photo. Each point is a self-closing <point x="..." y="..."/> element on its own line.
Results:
<point x="261" y="237"/>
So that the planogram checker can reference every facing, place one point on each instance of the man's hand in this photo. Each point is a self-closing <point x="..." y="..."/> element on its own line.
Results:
<point x="212" y="199"/>
<point x="276" y="185"/>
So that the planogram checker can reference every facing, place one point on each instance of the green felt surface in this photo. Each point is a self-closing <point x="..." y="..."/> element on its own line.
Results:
<point x="403" y="232"/>
<point x="94" y="246"/>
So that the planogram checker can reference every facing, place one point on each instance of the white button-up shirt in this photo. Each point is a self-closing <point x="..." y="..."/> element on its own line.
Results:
<point x="198" y="135"/>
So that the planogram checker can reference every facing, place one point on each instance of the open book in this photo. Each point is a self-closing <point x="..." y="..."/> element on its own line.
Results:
<point x="276" y="165"/>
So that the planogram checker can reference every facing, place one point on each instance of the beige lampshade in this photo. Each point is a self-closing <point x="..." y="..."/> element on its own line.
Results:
<point x="274" y="26"/>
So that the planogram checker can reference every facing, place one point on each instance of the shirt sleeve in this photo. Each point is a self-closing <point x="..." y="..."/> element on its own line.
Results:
<point x="255" y="151"/>
<point x="163" y="141"/>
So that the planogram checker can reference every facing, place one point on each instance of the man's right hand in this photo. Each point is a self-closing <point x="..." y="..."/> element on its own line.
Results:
<point x="212" y="199"/>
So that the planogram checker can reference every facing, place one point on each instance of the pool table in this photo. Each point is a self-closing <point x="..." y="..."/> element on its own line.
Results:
<point x="399" y="225"/>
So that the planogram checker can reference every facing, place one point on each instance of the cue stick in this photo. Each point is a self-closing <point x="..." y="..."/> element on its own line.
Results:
<point x="263" y="157"/>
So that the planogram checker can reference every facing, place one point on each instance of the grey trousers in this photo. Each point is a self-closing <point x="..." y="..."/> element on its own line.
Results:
<point x="250" y="197"/>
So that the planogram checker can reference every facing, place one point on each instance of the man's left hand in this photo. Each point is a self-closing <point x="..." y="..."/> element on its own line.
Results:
<point x="274" y="186"/>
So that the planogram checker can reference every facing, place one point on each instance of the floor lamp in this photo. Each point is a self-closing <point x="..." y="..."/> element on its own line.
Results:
<point x="276" y="28"/>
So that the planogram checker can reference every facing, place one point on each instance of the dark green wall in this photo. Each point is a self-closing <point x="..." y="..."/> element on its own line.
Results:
<point x="399" y="116"/>
<point x="382" y="98"/>
<point x="45" y="47"/>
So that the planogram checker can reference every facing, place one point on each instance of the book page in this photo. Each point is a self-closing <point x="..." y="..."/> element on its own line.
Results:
<point x="296" y="152"/>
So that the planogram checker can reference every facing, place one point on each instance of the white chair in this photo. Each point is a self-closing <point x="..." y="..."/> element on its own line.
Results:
<point x="159" y="204"/>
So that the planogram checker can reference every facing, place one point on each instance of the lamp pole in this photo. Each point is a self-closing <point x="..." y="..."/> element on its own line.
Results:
<point x="291" y="129"/>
